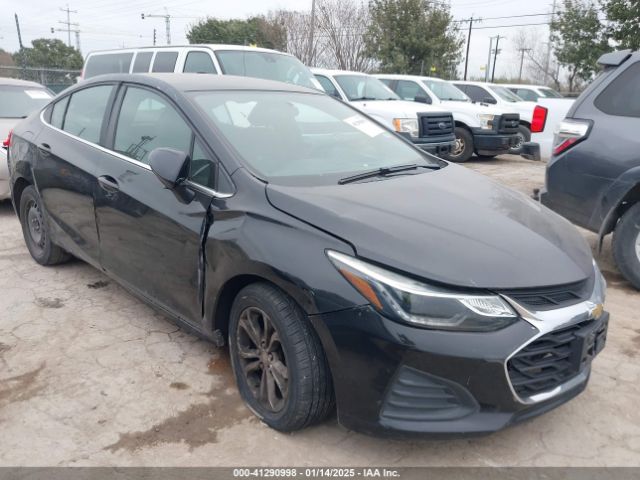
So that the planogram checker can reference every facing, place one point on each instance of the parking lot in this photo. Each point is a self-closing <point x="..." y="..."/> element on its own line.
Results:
<point x="89" y="375"/>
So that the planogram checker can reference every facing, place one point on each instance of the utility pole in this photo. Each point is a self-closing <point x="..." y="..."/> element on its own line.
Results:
<point x="548" y="58"/>
<point x="68" y="22"/>
<point x="522" y="52"/>
<point x="167" y="20"/>
<point x="466" y="60"/>
<point x="312" y="28"/>
<point x="74" y="30"/>
<point x="486" y="70"/>
<point x="19" y="34"/>
<point x="495" y="57"/>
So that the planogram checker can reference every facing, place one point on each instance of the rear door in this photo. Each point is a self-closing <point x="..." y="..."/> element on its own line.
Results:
<point x="69" y="153"/>
<point x="149" y="239"/>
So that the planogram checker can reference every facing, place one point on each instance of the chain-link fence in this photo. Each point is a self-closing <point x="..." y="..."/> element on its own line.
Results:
<point x="53" y="78"/>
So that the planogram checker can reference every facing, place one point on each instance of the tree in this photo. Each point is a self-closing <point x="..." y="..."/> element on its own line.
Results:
<point x="252" y="31"/>
<point x="536" y="69"/>
<point x="341" y="27"/>
<point x="412" y="36"/>
<point x="624" y="16"/>
<point x="579" y="38"/>
<point x="49" y="53"/>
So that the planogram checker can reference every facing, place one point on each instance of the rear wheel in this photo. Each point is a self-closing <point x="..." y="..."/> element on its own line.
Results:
<point x="524" y="135"/>
<point x="626" y="245"/>
<point x="463" y="147"/>
<point x="278" y="361"/>
<point x="34" y="230"/>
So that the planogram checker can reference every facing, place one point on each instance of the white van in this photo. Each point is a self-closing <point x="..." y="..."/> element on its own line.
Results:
<point x="212" y="59"/>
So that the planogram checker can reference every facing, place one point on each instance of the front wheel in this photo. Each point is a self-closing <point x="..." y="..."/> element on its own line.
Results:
<point x="35" y="232"/>
<point x="626" y="245"/>
<point x="523" y="136"/>
<point x="278" y="361"/>
<point x="463" y="147"/>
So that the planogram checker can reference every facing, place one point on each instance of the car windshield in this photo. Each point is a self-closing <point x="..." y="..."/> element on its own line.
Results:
<point x="550" y="93"/>
<point x="445" y="91"/>
<point x="364" y="87"/>
<point x="266" y="65"/>
<point x="506" y="94"/>
<point x="303" y="139"/>
<point x="19" y="101"/>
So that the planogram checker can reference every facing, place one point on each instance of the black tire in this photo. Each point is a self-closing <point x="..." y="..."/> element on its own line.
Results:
<point x="524" y="135"/>
<point x="463" y="148"/>
<point x="625" y="237"/>
<point x="309" y="388"/>
<point x="35" y="231"/>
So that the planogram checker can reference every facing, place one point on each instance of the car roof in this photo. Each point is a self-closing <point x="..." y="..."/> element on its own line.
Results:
<point x="325" y="71"/>
<point x="211" y="46"/>
<point x="522" y="85"/>
<point x="19" y="83"/>
<point x="407" y="77"/>
<point x="186" y="82"/>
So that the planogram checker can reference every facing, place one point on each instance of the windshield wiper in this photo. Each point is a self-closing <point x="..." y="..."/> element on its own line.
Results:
<point x="360" y="99"/>
<point x="385" y="171"/>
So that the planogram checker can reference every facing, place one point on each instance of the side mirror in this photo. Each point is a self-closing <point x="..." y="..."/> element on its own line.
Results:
<point x="422" y="99"/>
<point x="489" y="100"/>
<point x="170" y="166"/>
<point x="172" y="169"/>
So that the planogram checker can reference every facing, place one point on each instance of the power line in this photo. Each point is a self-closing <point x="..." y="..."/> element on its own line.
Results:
<point x="68" y="22"/>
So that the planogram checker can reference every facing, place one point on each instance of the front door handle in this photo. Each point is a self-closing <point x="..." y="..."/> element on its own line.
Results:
<point x="108" y="184"/>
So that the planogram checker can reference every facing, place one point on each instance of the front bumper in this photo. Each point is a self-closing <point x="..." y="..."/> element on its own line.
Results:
<point x="490" y="141"/>
<point x="394" y="379"/>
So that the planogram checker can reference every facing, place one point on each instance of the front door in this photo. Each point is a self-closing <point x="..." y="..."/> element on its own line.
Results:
<point x="149" y="239"/>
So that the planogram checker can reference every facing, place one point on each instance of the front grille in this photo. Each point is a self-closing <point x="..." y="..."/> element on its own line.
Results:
<point x="555" y="358"/>
<point x="418" y="396"/>
<point x="546" y="298"/>
<point x="509" y="123"/>
<point x="433" y="125"/>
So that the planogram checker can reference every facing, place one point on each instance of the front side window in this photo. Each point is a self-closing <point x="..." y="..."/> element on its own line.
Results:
<point x="364" y="87"/>
<point x="266" y="65"/>
<point x="622" y="95"/>
<point x="408" y="90"/>
<point x="142" y="62"/>
<point x="199" y="62"/>
<point x="328" y="86"/>
<point x="104" y="63"/>
<point x="506" y="94"/>
<point x="526" y="94"/>
<point x="18" y="102"/>
<point x="302" y="139"/>
<point x="165" y="62"/>
<point x="202" y="168"/>
<point x="446" y="91"/>
<point x="550" y="93"/>
<point x="85" y="112"/>
<point x="147" y="121"/>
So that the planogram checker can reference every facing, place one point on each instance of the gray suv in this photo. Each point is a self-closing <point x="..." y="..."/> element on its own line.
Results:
<point x="593" y="177"/>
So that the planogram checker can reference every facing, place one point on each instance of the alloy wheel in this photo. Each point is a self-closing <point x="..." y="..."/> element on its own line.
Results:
<point x="458" y="147"/>
<point x="262" y="359"/>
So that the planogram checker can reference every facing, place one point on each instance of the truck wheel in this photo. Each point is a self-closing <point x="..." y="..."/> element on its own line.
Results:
<point x="524" y="135"/>
<point x="35" y="232"/>
<point x="626" y="245"/>
<point x="278" y="361"/>
<point x="463" y="148"/>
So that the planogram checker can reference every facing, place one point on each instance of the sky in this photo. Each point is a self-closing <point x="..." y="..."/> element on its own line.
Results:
<point x="106" y="24"/>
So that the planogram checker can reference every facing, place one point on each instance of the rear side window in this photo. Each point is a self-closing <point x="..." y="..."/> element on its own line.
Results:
<point x="165" y="62"/>
<point x="142" y="62"/>
<point x="57" y="114"/>
<point x="107" y="63"/>
<point x="86" y="112"/>
<point x="622" y="96"/>
<point x="328" y="86"/>
<point x="147" y="121"/>
<point x="199" y="62"/>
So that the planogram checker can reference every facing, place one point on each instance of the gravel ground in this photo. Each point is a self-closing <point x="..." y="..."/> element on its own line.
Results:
<point x="91" y="376"/>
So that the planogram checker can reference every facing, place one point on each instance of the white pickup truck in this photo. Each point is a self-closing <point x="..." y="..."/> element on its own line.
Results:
<point x="428" y="127"/>
<point x="482" y="129"/>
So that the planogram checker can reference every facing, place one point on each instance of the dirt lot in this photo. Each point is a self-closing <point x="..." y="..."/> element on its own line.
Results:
<point x="91" y="376"/>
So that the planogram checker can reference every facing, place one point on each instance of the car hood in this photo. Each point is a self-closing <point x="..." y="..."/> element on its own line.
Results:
<point x="396" y="108"/>
<point x="471" y="108"/>
<point x="452" y="226"/>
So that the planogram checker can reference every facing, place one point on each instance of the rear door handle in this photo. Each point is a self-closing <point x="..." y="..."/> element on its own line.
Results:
<point x="108" y="184"/>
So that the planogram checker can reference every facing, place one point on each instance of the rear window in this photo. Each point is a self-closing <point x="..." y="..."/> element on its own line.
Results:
<point x="142" y="62"/>
<point x="165" y="62"/>
<point x="18" y="102"/>
<point x="622" y="96"/>
<point x="199" y="62"/>
<point x="104" y="63"/>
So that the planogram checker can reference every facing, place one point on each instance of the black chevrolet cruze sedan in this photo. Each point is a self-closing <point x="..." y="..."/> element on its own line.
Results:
<point x="341" y="264"/>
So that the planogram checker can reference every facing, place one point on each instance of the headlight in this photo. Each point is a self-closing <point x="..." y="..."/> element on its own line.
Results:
<point x="486" y="121"/>
<point x="407" y="125"/>
<point x="406" y="300"/>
